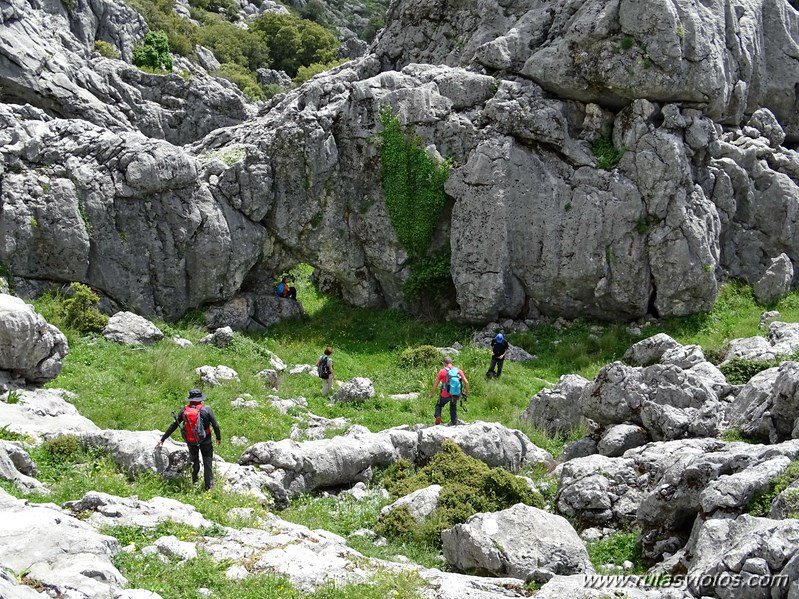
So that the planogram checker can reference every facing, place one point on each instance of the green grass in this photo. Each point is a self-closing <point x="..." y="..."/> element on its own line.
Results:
<point x="137" y="388"/>
<point x="615" y="550"/>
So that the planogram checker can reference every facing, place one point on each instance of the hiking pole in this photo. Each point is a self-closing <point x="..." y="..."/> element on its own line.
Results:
<point x="464" y="397"/>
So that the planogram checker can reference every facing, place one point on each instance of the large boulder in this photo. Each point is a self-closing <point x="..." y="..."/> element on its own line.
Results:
<point x="767" y="407"/>
<point x="557" y="410"/>
<point x="522" y="542"/>
<point x="131" y="329"/>
<point x="101" y="510"/>
<point x="30" y="347"/>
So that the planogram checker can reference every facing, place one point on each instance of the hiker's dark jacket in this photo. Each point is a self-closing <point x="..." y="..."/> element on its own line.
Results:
<point x="208" y="418"/>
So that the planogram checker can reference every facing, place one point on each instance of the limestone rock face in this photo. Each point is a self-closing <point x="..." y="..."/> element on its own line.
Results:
<point x="30" y="347"/>
<point x="696" y="102"/>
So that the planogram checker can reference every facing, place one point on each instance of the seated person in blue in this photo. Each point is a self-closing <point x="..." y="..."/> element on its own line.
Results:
<point x="283" y="290"/>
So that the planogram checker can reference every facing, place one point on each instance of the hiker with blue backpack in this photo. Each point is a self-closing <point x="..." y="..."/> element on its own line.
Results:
<point x="453" y="384"/>
<point x="195" y="422"/>
<point x="284" y="289"/>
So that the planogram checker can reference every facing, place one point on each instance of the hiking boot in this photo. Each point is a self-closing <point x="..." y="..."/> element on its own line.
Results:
<point x="438" y="419"/>
<point x="456" y="422"/>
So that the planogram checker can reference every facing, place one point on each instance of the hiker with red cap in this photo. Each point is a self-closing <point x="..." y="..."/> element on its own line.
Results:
<point x="195" y="422"/>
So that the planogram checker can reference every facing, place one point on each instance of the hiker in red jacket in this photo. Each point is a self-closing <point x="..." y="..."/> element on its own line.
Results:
<point x="195" y="422"/>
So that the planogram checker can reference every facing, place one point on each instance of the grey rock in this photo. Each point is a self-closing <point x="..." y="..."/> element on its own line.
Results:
<point x="9" y="587"/>
<point x="273" y="77"/>
<point x="776" y="281"/>
<point x="357" y="389"/>
<point x="216" y="375"/>
<point x="581" y="448"/>
<point x="101" y="510"/>
<point x="767" y="407"/>
<point x="12" y="455"/>
<point x="619" y="438"/>
<point x="557" y="409"/>
<point x="44" y="413"/>
<point x="521" y="542"/>
<point x="420" y="504"/>
<point x="745" y="553"/>
<point x="786" y="504"/>
<point x="131" y="329"/>
<point x="175" y="549"/>
<point x="220" y="338"/>
<point x="650" y="350"/>
<point x="30" y="347"/>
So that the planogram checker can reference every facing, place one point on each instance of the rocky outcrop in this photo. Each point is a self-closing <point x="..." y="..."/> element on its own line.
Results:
<point x="344" y="460"/>
<point x="48" y="62"/>
<point x="30" y="347"/>
<point x="663" y="487"/>
<point x="750" y="555"/>
<point x="767" y="407"/>
<point x="44" y="413"/>
<point x="782" y="340"/>
<point x="57" y="550"/>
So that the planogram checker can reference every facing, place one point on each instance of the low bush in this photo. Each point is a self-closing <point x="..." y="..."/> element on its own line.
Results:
<point x="468" y="486"/>
<point x="423" y="355"/>
<point x="761" y="502"/>
<point x="80" y="312"/>
<point x="740" y="370"/>
<point x="105" y="49"/>
<point x="616" y="549"/>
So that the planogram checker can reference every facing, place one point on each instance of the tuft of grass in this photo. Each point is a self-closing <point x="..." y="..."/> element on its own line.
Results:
<point x="616" y="549"/>
<point x="606" y="154"/>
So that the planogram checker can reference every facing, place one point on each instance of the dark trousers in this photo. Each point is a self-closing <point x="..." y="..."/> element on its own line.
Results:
<point x="292" y="294"/>
<point x="498" y="362"/>
<point x="453" y="407"/>
<point x="207" y="450"/>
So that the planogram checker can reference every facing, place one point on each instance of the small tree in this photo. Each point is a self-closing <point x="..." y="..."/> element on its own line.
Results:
<point x="79" y="309"/>
<point x="154" y="53"/>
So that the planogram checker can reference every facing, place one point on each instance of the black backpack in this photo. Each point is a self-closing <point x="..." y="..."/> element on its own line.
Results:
<point x="324" y="367"/>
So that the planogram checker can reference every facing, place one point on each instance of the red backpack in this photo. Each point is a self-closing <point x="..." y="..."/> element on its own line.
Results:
<point x="192" y="428"/>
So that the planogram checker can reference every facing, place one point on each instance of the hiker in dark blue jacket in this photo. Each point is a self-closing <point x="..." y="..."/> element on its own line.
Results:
<point x="187" y="419"/>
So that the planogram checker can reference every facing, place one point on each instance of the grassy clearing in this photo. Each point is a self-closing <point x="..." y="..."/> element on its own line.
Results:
<point x="137" y="388"/>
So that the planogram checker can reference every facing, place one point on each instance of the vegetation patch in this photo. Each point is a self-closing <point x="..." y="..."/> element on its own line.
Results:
<point x="606" y="154"/>
<point x="468" y="486"/>
<point x="154" y="52"/>
<point x="740" y="371"/>
<point x="761" y="502"/>
<point x="105" y="49"/>
<point x="422" y="355"/>
<point x="615" y="550"/>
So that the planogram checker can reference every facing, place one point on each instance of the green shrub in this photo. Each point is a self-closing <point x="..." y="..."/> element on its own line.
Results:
<point x="105" y="49"/>
<point x="304" y="73"/>
<point x="606" y="154"/>
<point x="468" y="486"/>
<point x="423" y="355"/>
<point x="154" y="52"/>
<point x="739" y="371"/>
<point x="429" y="276"/>
<point x="294" y="42"/>
<point x="79" y="310"/>
<point x="243" y="78"/>
<point x="63" y="447"/>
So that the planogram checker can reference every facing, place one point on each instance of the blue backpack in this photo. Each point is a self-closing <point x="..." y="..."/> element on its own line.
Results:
<point x="453" y="381"/>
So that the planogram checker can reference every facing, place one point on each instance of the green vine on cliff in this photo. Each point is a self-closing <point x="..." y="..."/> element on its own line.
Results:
<point x="413" y="183"/>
